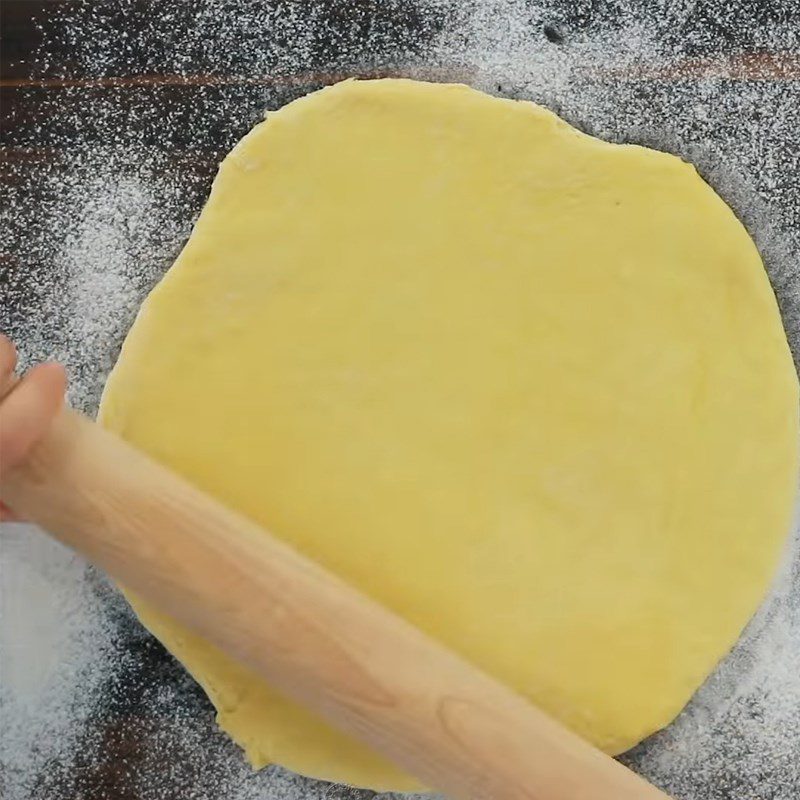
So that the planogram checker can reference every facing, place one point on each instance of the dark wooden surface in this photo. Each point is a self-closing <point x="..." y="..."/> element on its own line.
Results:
<point x="59" y="104"/>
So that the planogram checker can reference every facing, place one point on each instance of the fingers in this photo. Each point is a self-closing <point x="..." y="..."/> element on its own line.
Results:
<point x="8" y="363"/>
<point x="26" y="412"/>
<point x="26" y="408"/>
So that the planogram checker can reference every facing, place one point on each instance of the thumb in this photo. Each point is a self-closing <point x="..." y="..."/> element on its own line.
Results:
<point x="26" y="412"/>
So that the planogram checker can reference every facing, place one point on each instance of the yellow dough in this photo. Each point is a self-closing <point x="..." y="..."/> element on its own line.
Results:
<point x="526" y="388"/>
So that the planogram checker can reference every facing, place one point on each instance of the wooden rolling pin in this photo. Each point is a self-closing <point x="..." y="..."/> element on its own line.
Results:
<point x="366" y="670"/>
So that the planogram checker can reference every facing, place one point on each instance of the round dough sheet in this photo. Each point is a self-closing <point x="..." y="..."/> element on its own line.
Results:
<point x="526" y="388"/>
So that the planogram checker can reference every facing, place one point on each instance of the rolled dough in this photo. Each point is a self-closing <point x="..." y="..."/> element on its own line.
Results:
<point x="528" y="389"/>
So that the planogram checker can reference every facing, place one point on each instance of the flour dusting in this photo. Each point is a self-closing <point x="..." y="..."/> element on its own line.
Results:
<point x="56" y="650"/>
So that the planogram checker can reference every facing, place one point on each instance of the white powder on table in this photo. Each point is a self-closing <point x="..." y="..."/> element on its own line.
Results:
<point x="59" y="644"/>
<point x="92" y="232"/>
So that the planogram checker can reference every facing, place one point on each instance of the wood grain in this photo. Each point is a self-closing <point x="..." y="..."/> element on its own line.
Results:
<point x="366" y="670"/>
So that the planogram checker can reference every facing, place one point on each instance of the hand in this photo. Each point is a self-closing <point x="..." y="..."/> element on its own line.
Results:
<point x="26" y="408"/>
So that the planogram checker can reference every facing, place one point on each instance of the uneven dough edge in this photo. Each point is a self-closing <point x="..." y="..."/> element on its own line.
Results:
<point x="257" y="755"/>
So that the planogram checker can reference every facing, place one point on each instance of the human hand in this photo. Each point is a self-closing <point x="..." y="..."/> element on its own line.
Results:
<point x="27" y="408"/>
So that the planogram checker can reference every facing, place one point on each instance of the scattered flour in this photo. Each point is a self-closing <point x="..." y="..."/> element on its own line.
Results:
<point x="95" y="708"/>
<point x="56" y="650"/>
